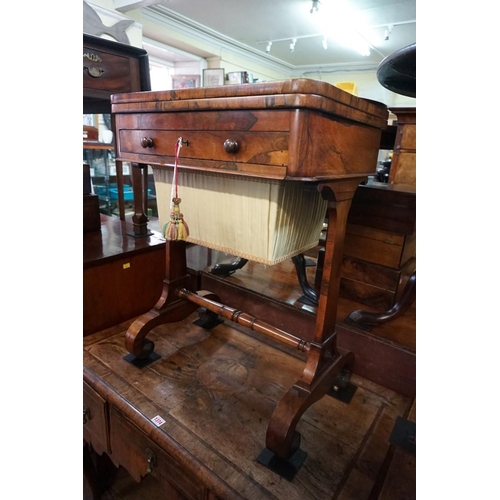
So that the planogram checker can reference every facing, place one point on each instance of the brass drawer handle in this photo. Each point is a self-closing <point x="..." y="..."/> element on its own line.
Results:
<point x="147" y="142"/>
<point x="231" y="146"/>
<point x="94" y="72"/>
<point x="151" y="458"/>
<point x="86" y="414"/>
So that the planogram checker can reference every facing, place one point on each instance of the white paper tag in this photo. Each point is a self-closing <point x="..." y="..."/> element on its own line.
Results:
<point x="158" y="421"/>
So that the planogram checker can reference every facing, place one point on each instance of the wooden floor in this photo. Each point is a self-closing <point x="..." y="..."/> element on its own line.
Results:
<point x="368" y="467"/>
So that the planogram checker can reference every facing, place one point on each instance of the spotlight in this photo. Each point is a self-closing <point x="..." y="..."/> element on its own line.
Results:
<point x="387" y="33"/>
<point x="292" y="45"/>
<point x="325" y="43"/>
<point x="268" y="47"/>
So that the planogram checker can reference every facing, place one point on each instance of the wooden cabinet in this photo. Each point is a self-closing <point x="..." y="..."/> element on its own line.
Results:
<point x="192" y="423"/>
<point x="107" y="430"/>
<point x="380" y="244"/>
<point x="122" y="275"/>
<point x="404" y="160"/>
<point x="110" y="67"/>
<point x="95" y="420"/>
<point x="141" y="456"/>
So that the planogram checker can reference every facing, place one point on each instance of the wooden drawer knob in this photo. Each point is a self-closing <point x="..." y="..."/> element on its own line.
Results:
<point x="147" y="142"/>
<point x="231" y="146"/>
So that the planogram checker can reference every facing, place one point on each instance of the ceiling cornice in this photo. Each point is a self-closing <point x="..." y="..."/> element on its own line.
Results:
<point x="176" y="22"/>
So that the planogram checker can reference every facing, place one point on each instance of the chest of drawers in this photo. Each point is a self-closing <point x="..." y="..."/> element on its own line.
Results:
<point x="108" y="68"/>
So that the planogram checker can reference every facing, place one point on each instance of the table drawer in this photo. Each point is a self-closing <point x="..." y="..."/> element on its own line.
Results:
<point x="105" y="71"/>
<point x="95" y="420"/>
<point x="131" y="448"/>
<point x="265" y="148"/>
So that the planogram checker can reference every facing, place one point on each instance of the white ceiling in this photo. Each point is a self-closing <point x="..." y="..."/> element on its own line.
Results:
<point x="248" y="25"/>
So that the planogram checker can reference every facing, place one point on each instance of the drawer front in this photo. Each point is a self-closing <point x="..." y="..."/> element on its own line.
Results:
<point x="246" y="142"/>
<point x="132" y="449"/>
<point x="265" y="148"/>
<point x="95" y="420"/>
<point x="107" y="72"/>
<point x="269" y="144"/>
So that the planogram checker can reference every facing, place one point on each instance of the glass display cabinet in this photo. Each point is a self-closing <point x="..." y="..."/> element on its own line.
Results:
<point x="101" y="159"/>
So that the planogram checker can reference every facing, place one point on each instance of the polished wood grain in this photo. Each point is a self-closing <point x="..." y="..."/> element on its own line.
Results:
<point x="308" y="145"/>
<point x="122" y="275"/>
<point x="323" y="136"/>
<point x="216" y="391"/>
<point x="386" y="354"/>
<point x="110" y="67"/>
<point x="298" y="87"/>
<point x="404" y="160"/>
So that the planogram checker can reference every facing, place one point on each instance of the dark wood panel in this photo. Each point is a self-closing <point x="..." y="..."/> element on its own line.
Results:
<point x="91" y="215"/>
<point x="121" y="289"/>
<point x="114" y="240"/>
<point x="122" y="275"/>
<point x="110" y="67"/>
<point x="385" y="206"/>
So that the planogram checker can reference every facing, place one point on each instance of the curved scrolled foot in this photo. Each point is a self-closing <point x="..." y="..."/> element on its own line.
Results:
<point x="135" y="338"/>
<point x="407" y="298"/>
<point x="310" y="294"/>
<point x="281" y="437"/>
<point x="228" y="269"/>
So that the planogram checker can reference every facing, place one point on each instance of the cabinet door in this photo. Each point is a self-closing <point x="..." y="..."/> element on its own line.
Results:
<point x="95" y="420"/>
<point x="140" y="456"/>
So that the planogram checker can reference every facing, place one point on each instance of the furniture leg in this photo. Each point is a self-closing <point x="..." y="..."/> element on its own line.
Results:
<point x="139" y="219"/>
<point x="323" y="362"/>
<point x="169" y="307"/>
<point x="319" y="268"/>
<point x="362" y="318"/>
<point x="228" y="269"/>
<point x="310" y="294"/>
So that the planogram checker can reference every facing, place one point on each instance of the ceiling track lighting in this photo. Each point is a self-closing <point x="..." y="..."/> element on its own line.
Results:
<point x="314" y="7"/>
<point x="363" y="49"/>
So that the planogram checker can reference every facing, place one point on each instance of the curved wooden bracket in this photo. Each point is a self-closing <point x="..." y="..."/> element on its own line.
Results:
<point x="135" y="338"/>
<point x="169" y="307"/>
<point x="281" y="437"/>
<point x="360" y="317"/>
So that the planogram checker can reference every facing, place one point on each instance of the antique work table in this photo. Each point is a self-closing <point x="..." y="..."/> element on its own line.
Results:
<point x="322" y="137"/>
